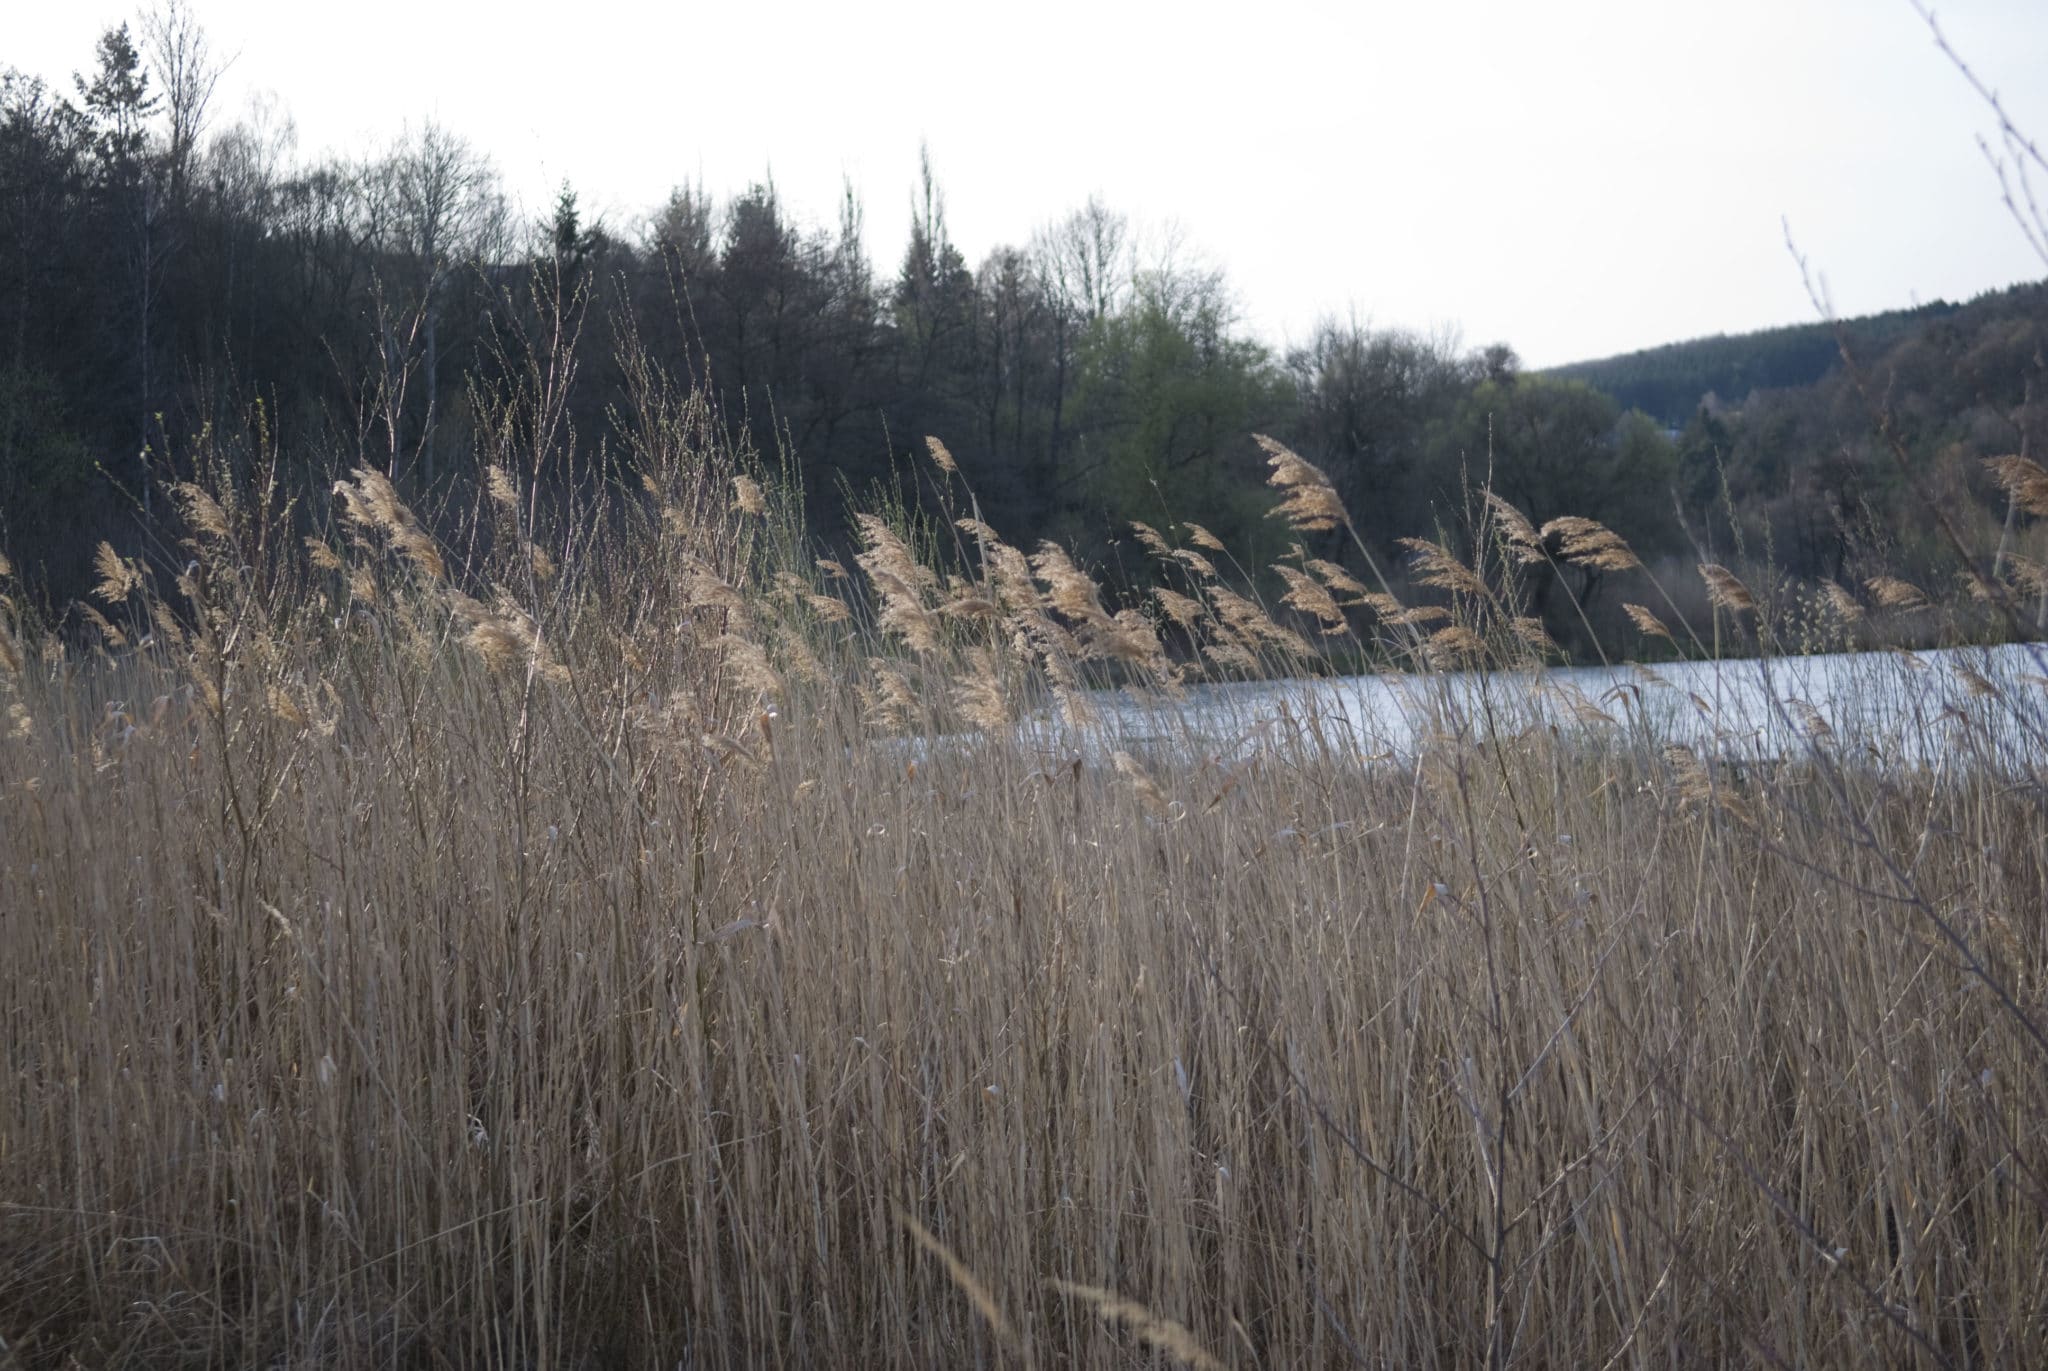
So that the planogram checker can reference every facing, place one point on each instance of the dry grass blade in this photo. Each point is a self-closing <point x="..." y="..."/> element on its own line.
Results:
<point x="1155" y="1330"/>
<point x="956" y="1270"/>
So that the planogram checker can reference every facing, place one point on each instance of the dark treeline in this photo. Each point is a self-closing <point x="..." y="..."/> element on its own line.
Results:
<point x="167" y="274"/>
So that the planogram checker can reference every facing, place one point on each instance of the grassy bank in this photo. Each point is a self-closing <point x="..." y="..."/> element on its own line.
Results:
<point x="522" y="944"/>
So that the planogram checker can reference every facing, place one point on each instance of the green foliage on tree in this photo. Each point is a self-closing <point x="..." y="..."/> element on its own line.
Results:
<point x="1167" y="398"/>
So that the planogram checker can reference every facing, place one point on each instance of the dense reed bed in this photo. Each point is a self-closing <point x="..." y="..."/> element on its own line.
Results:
<point x="573" y="933"/>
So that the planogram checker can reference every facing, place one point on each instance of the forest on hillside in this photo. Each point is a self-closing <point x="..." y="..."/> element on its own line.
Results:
<point x="176" y="279"/>
<point x="1671" y="381"/>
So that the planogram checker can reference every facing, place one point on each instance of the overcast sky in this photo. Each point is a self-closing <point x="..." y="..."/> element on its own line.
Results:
<point x="1575" y="177"/>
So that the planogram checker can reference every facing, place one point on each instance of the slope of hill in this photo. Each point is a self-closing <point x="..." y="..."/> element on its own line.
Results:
<point x="1668" y="382"/>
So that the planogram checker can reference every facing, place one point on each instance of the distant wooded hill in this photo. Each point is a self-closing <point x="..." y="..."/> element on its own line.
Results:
<point x="1670" y="381"/>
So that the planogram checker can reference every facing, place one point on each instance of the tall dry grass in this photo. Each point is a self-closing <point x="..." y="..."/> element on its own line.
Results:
<point x="596" y="936"/>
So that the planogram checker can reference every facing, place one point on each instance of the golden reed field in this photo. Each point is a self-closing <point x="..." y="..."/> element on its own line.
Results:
<point x="596" y="930"/>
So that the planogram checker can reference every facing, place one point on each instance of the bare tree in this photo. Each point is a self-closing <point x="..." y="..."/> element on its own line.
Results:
<point x="432" y="202"/>
<point x="1086" y="259"/>
<point x="186" y="74"/>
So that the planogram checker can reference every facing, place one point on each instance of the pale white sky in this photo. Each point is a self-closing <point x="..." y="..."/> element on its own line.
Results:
<point x="1576" y="177"/>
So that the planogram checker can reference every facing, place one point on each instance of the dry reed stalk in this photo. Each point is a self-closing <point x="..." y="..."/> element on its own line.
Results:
<point x="1148" y="792"/>
<point x="1311" y="504"/>
<point x="2022" y="479"/>
<point x="889" y="701"/>
<point x="1067" y="588"/>
<point x="1309" y="597"/>
<point x="504" y="492"/>
<point x="1235" y="656"/>
<point x="1724" y="589"/>
<point x="1647" y="623"/>
<point x="202" y="512"/>
<point x="1454" y="647"/>
<point x="119" y="578"/>
<point x="1893" y="593"/>
<point x="1841" y="602"/>
<point x="1155" y="1330"/>
<point x="1252" y="624"/>
<point x="1583" y="542"/>
<point x="1181" y="609"/>
<point x="1524" y="543"/>
<point x="746" y="664"/>
<point x="1149" y="537"/>
<point x="1529" y="631"/>
<point x="902" y="584"/>
<point x="1435" y="565"/>
<point x="518" y="1084"/>
<point x="370" y="501"/>
<point x="956" y="1271"/>
<point x="979" y="694"/>
<point x="1340" y="581"/>
<point x="1810" y="719"/>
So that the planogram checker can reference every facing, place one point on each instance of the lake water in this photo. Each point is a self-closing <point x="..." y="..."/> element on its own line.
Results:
<point x="1983" y="705"/>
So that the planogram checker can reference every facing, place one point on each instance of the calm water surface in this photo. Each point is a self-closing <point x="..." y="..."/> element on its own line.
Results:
<point x="1985" y="705"/>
